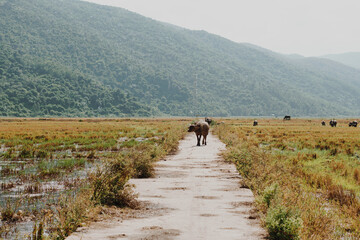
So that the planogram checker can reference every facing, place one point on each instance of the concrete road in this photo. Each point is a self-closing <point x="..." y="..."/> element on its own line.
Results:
<point x="194" y="195"/>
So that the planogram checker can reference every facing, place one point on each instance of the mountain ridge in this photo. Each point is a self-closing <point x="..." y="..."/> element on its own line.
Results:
<point x="156" y="64"/>
<point x="351" y="59"/>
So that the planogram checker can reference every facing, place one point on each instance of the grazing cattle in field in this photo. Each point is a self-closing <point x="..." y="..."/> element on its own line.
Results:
<point x="255" y="123"/>
<point x="323" y="123"/>
<point x="333" y="123"/>
<point x="201" y="129"/>
<point x="353" y="124"/>
<point x="287" y="118"/>
<point x="208" y="120"/>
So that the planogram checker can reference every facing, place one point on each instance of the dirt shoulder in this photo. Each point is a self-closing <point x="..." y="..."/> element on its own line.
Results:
<point x="195" y="195"/>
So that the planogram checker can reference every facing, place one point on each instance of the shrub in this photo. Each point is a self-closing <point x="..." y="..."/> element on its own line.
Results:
<point x="110" y="184"/>
<point x="282" y="223"/>
<point x="270" y="193"/>
<point x="142" y="161"/>
<point x="144" y="168"/>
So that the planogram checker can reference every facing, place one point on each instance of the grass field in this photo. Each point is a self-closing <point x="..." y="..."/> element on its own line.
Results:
<point x="306" y="177"/>
<point x="56" y="173"/>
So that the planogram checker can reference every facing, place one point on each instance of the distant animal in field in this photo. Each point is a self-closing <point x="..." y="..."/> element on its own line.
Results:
<point x="255" y="123"/>
<point x="201" y="128"/>
<point x="323" y="123"/>
<point x="353" y="124"/>
<point x="287" y="118"/>
<point x="333" y="123"/>
<point x="208" y="120"/>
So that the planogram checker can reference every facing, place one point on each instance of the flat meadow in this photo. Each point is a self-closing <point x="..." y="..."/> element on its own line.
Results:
<point x="56" y="174"/>
<point x="59" y="174"/>
<point x="305" y="176"/>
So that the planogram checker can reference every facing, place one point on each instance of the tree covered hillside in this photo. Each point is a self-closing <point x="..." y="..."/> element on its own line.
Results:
<point x="125" y="57"/>
<point x="43" y="89"/>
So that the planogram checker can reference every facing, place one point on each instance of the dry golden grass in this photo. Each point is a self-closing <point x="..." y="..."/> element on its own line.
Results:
<point x="316" y="168"/>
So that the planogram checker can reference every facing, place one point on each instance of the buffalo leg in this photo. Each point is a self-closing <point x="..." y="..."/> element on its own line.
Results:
<point x="198" y="139"/>
<point x="204" y="139"/>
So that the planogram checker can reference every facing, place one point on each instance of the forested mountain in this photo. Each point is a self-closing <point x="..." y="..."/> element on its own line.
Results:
<point x="73" y="58"/>
<point x="351" y="58"/>
<point x="45" y="89"/>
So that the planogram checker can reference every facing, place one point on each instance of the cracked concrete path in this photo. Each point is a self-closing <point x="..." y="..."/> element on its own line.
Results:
<point x="195" y="195"/>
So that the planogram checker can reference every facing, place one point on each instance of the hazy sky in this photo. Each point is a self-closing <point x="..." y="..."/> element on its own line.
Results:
<point x="306" y="27"/>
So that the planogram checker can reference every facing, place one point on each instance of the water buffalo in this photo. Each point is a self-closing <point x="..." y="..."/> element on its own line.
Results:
<point x="287" y="118"/>
<point x="353" y="124"/>
<point x="333" y="123"/>
<point x="255" y="123"/>
<point x="323" y="123"/>
<point x="208" y="120"/>
<point x="201" y="129"/>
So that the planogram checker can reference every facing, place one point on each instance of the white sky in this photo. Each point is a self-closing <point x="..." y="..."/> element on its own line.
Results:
<point x="306" y="27"/>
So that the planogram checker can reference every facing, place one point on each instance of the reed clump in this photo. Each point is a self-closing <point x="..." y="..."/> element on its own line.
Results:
<point x="109" y="184"/>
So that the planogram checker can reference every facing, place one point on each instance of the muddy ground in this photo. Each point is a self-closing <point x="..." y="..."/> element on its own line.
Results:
<point x="194" y="195"/>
